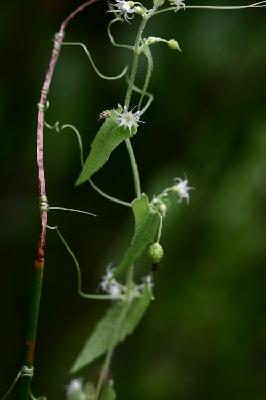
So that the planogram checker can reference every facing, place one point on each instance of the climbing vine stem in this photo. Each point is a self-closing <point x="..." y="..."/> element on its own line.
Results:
<point x="31" y="333"/>
<point x="145" y="213"/>
<point x="134" y="68"/>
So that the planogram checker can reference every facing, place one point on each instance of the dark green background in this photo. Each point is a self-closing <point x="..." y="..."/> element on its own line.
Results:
<point x="205" y="335"/>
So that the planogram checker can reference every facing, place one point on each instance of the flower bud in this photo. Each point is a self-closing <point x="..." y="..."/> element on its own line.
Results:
<point x="172" y="43"/>
<point x="158" y="3"/>
<point x="139" y="10"/>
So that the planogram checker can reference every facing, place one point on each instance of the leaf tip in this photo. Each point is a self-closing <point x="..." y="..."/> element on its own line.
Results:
<point x="72" y="370"/>
<point x="79" y="181"/>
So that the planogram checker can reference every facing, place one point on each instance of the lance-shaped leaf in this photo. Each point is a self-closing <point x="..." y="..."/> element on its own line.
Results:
<point x="109" y="136"/>
<point x="147" y="221"/>
<point x="112" y="329"/>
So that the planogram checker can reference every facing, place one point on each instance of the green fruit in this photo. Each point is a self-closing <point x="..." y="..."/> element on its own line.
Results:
<point x="155" y="253"/>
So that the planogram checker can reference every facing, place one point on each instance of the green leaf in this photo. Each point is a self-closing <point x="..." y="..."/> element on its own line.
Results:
<point x="111" y="326"/>
<point x="109" y="136"/>
<point x="135" y="313"/>
<point x="108" y="392"/>
<point x="147" y="221"/>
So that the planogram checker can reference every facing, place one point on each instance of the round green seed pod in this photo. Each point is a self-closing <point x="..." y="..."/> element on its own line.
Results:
<point x="155" y="253"/>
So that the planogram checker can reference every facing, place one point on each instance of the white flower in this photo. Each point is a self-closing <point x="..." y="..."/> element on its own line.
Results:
<point x="178" y="4"/>
<point x="125" y="8"/>
<point x="148" y="280"/>
<point x="127" y="119"/>
<point x="182" y="188"/>
<point x="105" y="282"/>
<point x="74" y="388"/>
<point x="117" y="291"/>
<point x="110" y="285"/>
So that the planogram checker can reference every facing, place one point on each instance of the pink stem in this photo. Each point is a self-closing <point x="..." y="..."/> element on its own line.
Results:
<point x="39" y="260"/>
<point x="44" y="93"/>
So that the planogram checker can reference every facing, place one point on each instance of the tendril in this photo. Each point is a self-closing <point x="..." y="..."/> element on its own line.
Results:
<point x="125" y="46"/>
<point x="260" y="4"/>
<point x="24" y="371"/>
<point x="75" y="260"/>
<point x="150" y="99"/>
<point x="72" y="210"/>
<point x="148" y="55"/>
<point x="93" y="64"/>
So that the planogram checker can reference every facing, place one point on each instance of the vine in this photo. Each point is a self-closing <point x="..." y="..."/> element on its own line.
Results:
<point x="129" y="299"/>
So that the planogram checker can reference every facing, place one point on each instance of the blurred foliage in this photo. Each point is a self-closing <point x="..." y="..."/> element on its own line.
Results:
<point x="205" y="335"/>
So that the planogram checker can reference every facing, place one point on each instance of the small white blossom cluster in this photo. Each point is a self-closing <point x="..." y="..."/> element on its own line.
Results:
<point x="117" y="291"/>
<point x="178" y="4"/>
<point x="75" y="390"/>
<point x="110" y="285"/>
<point x="182" y="188"/>
<point x="125" y="9"/>
<point x="127" y="119"/>
<point x="162" y="201"/>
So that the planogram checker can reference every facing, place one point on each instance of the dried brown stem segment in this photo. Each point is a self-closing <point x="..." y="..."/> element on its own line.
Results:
<point x="26" y="377"/>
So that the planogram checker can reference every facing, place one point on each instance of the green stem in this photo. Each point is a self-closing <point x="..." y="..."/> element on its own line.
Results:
<point x="160" y="229"/>
<point x="135" y="62"/>
<point x="32" y="327"/>
<point x="134" y="167"/>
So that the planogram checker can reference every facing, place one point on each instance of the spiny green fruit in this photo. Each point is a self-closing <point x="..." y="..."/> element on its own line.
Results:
<point x="155" y="253"/>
